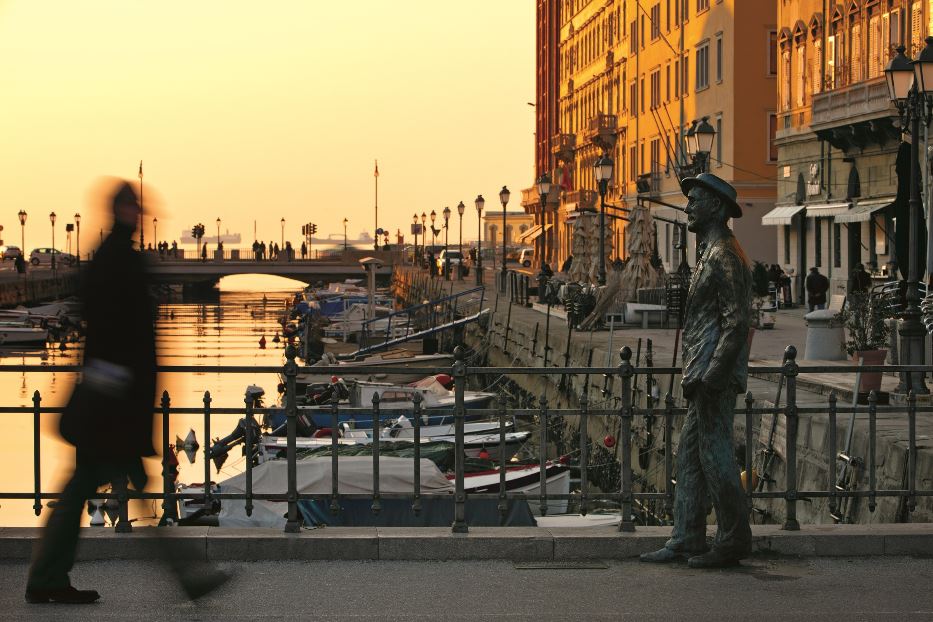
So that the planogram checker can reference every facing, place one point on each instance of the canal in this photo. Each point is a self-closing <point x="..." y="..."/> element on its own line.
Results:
<point x="221" y="328"/>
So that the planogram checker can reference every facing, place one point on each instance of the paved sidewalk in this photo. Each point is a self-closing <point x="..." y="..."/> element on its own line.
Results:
<point x="761" y="589"/>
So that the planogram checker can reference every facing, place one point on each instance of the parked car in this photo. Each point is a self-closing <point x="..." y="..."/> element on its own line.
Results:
<point x="44" y="256"/>
<point x="526" y="256"/>
<point x="10" y="252"/>
<point x="455" y="259"/>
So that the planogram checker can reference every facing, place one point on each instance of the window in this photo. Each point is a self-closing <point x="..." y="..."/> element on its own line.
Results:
<point x="719" y="57"/>
<point x="818" y="242"/>
<point x="801" y="86"/>
<point x="916" y="29"/>
<point x="641" y="94"/>
<point x="702" y="5"/>
<point x="684" y="11"/>
<point x="772" y="53"/>
<point x="786" y="244"/>
<point x="702" y="67"/>
<point x="667" y="16"/>
<point x="655" y="157"/>
<point x="633" y="38"/>
<point x="667" y="82"/>
<point x="772" y="133"/>
<point x="874" y="46"/>
<point x="677" y="12"/>
<point x="817" y="65"/>
<point x="785" y="78"/>
<point x="685" y="69"/>
<point x="632" y="164"/>
<point x="881" y="238"/>
<point x="632" y="98"/>
<point x="837" y="245"/>
<point x="677" y="78"/>
<point x="830" y="62"/>
<point x="656" y="89"/>
<point x="719" y="140"/>
<point x="641" y="32"/>
<point x="855" y="66"/>
<point x="656" y="22"/>
<point x="641" y="157"/>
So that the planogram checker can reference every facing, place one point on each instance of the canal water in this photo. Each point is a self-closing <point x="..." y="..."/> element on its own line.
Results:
<point x="222" y="328"/>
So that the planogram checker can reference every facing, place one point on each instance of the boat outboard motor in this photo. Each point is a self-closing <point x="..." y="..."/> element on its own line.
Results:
<point x="222" y="447"/>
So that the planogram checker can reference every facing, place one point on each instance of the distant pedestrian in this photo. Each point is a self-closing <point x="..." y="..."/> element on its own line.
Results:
<point x="860" y="280"/>
<point x="20" y="263"/>
<point x="204" y="253"/>
<point x="817" y="285"/>
<point x="109" y="417"/>
<point x="275" y="252"/>
<point x="304" y="250"/>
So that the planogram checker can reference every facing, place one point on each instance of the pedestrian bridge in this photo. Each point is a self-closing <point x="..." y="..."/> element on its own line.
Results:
<point x="167" y="269"/>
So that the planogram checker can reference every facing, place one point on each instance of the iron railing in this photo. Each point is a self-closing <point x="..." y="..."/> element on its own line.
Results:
<point x="622" y="417"/>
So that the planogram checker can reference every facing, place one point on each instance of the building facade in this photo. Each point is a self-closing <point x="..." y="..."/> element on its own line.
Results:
<point x="838" y="133"/>
<point x="631" y="76"/>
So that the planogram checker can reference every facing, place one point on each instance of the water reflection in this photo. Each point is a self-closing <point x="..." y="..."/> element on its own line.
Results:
<point x="221" y="329"/>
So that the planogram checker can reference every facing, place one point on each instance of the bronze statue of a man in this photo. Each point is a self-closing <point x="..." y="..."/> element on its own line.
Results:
<point x="715" y="368"/>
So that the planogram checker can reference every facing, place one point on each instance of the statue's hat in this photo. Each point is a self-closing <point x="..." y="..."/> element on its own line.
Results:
<point x="718" y="186"/>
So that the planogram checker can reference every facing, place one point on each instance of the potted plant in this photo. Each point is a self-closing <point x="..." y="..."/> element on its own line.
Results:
<point x="867" y="336"/>
<point x="761" y="294"/>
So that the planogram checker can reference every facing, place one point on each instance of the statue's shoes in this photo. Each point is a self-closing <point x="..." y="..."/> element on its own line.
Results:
<point x="713" y="559"/>
<point x="664" y="556"/>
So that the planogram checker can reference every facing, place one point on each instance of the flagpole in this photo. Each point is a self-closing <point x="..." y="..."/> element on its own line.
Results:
<point x="376" y="229"/>
<point x="142" y="246"/>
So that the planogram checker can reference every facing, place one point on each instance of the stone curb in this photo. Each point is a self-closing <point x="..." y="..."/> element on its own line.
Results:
<point x="439" y="544"/>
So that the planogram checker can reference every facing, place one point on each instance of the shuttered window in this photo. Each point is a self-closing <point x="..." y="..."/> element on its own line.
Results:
<point x="855" y="66"/>
<point x="801" y="75"/>
<point x="831" y="62"/>
<point x="785" y="79"/>
<point x="816" y="76"/>
<point x="874" y="46"/>
<point x="916" y="29"/>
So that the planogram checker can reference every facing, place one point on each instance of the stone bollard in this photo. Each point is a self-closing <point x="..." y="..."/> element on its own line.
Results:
<point x="825" y="337"/>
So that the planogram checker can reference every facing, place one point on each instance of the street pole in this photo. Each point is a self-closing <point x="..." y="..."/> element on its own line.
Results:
<point x="345" y="221"/>
<point x="142" y="246"/>
<point x="22" y="237"/>
<point x="446" y="247"/>
<point x="480" y="203"/>
<point x="155" y="230"/>
<point x="282" y="241"/>
<point x="504" y="199"/>
<point x="78" y="237"/>
<point x="376" y="228"/>
<point x="52" y="218"/>
<point x="460" y="210"/>
<point x="602" y="233"/>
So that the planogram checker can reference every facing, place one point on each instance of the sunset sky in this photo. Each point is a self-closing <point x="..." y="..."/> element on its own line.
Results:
<point x="246" y="110"/>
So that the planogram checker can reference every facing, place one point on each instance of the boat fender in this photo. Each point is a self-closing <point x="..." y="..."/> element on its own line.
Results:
<point x="262" y="342"/>
<point x="324" y="433"/>
<point x="609" y="441"/>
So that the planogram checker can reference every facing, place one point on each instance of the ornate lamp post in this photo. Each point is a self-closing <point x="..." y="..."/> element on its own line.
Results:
<point x="155" y="229"/>
<point x="414" y="255"/>
<point x="218" y="233"/>
<point x="282" y="245"/>
<point x="446" y="234"/>
<point x="544" y="186"/>
<point x="52" y="218"/>
<point x="424" y="234"/>
<point x="22" y="237"/>
<point x="910" y="85"/>
<point x="461" y="208"/>
<point x="480" y="202"/>
<point x="78" y="237"/>
<point x="690" y="141"/>
<point x="603" y="167"/>
<point x="504" y="199"/>
<point x="703" y="137"/>
<point x="345" y="221"/>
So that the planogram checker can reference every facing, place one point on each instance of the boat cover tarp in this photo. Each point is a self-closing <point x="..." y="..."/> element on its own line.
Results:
<point x="440" y="453"/>
<point x="314" y="477"/>
<point x="398" y="513"/>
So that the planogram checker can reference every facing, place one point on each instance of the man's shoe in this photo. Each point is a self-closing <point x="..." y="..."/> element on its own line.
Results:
<point x="199" y="585"/>
<point x="65" y="595"/>
<point x="713" y="559"/>
<point x="663" y="556"/>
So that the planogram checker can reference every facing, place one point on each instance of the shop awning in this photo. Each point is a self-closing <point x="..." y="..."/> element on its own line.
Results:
<point x="781" y="215"/>
<point x="530" y="234"/>
<point x="863" y="211"/>
<point x="825" y="210"/>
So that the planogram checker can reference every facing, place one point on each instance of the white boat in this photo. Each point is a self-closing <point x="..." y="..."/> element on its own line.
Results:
<point x="17" y="334"/>
<point x="350" y="322"/>
<point x="395" y="362"/>
<point x="526" y="479"/>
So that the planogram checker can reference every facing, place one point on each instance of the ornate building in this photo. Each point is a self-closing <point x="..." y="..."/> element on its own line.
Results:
<point x="628" y="78"/>
<point x="838" y="132"/>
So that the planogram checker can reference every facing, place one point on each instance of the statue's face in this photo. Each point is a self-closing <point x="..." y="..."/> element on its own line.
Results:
<point x="703" y="209"/>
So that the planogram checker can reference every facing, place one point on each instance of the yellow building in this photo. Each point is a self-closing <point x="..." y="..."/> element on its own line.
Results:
<point x="631" y="76"/>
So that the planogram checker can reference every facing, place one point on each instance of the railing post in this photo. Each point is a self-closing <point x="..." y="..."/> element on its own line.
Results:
<point x="376" y="506"/>
<point x="668" y="456"/>
<point x="248" y="440"/>
<point x="416" y="415"/>
<point x="626" y="372"/>
<point x="749" y="403"/>
<point x="542" y="454"/>
<point x="503" y="462"/>
<point x="584" y="451"/>
<point x="872" y="439"/>
<point x="207" y="450"/>
<point x="169" y="503"/>
<point x="292" y="523"/>
<point x="833" y="458"/>
<point x="123" y="520"/>
<point x="790" y="416"/>
<point x="459" y="374"/>
<point x="36" y="452"/>
<point x="334" y="462"/>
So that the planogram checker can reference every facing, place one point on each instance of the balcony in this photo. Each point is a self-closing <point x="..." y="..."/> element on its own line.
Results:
<point x="862" y="101"/>
<point x="601" y="130"/>
<point x="793" y="122"/>
<point x="563" y="146"/>
<point x="581" y="200"/>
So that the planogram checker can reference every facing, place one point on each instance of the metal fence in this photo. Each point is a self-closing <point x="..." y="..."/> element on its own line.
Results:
<point x="664" y="410"/>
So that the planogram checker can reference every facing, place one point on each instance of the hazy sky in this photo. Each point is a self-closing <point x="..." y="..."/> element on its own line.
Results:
<point x="263" y="110"/>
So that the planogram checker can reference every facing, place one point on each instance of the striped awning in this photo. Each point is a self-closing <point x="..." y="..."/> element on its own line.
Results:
<point x="824" y="210"/>
<point x="781" y="215"/>
<point x="530" y="234"/>
<point x="863" y="211"/>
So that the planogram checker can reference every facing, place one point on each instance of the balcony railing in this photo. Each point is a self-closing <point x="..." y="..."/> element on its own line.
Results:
<point x="849" y="104"/>
<point x="563" y="146"/>
<point x="601" y="129"/>
<point x="623" y="418"/>
<point x="584" y="199"/>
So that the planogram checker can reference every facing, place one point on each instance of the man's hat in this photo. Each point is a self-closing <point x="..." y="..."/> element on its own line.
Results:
<point x="717" y="186"/>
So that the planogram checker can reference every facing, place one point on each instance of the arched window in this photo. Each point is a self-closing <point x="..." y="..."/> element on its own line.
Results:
<point x="816" y="58"/>
<point x="784" y="43"/>
<point x="800" y="64"/>
<point x="836" y="57"/>
<point x="856" y="44"/>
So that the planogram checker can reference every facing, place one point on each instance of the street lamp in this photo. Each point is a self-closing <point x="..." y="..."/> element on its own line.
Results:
<point x="22" y="239"/>
<point x="479" y="202"/>
<point x="424" y="235"/>
<point x="155" y="230"/>
<point x="690" y="140"/>
<point x="703" y="138"/>
<point x="345" y="221"/>
<point x="603" y="168"/>
<point x="414" y="229"/>
<point x="218" y="233"/>
<point x="52" y="218"/>
<point x="504" y="199"/>
<point x="460" y="209"/>
<point x="544" y="186"/>
<point x="910" y="85"/>
<point x="283" y="233"/>
<point x="78" y="236"/>
<point x="446" y="235"/>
